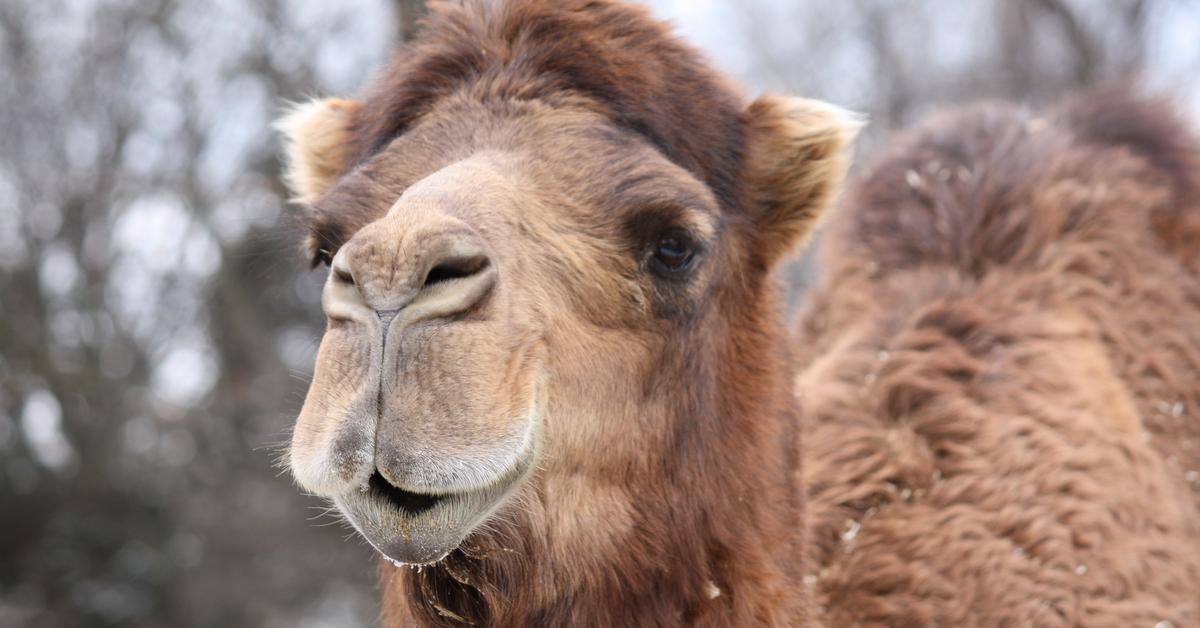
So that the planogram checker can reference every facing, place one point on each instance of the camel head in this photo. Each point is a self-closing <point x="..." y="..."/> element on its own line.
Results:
<point x="533" y="249"/>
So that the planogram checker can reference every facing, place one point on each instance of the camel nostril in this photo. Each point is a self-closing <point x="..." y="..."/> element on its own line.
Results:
<point x="452" y="269"/>
<point x="344" y="276"/>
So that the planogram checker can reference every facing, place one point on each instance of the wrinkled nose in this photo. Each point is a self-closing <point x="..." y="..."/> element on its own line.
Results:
<point x="423" y="272"/>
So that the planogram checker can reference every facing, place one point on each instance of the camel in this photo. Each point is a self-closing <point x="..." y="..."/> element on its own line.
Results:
<point x="557" y="386"/>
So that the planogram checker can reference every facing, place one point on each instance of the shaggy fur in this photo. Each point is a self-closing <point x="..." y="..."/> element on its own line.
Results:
<point x="1000" y="376"/>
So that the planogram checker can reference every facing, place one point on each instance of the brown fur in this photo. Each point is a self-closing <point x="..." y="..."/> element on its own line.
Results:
<point x="1000" y="376"/>
<point x="987" y="440"/>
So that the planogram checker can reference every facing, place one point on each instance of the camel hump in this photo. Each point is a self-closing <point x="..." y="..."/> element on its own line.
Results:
<point x="1116" y="116"/>
<point x="998" y="185"/>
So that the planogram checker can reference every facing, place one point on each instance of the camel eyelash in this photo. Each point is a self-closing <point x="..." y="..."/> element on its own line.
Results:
<point x="645" y="225"/>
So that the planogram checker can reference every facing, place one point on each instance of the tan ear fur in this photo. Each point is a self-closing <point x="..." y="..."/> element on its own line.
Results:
<point x="315" y="141"/>
<point x="796" y="162"/>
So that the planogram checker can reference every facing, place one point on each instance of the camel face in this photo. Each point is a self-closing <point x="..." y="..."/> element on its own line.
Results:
<point x="548" y="299"/>
<point x="514" y="288"/>
<point x="512" y="276"/>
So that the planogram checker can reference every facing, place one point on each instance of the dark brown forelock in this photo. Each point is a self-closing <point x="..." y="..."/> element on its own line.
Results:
<point x="616" y="57"/>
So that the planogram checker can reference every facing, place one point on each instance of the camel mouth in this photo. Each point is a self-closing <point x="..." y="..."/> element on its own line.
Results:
<point x="410" y="503"/>
<point x="410" y="528"/>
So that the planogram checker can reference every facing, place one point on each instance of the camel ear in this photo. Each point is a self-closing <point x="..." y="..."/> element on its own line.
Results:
<point x="315" y="140"/>
<point x="795" y="164"/>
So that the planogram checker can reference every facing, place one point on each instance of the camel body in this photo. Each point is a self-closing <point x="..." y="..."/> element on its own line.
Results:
<point x="1001" y="375"/>
<point x="557" y="373"/>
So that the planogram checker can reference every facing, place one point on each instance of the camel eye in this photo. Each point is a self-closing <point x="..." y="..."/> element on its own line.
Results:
<point x="673" y="252"/>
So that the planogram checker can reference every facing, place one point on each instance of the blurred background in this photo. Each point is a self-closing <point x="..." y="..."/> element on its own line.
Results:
<point x="158" y="324"/>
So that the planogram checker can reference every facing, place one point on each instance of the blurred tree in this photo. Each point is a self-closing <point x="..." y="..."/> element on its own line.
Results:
<point x="898" y="59"/>
<point x="152" y="306"/>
